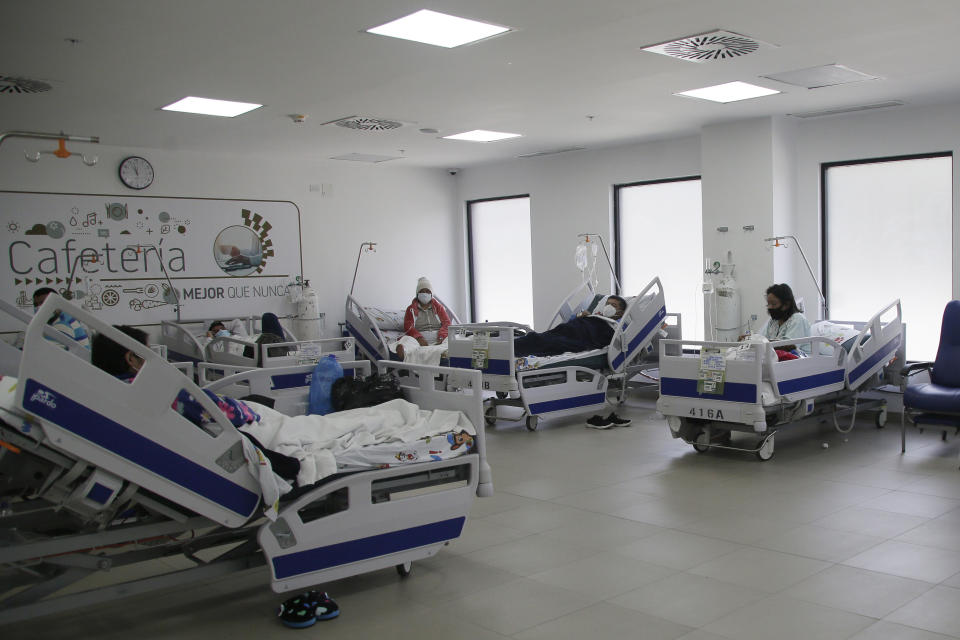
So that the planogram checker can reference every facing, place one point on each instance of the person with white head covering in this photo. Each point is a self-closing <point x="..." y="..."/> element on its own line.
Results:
<point x="425" y="324"/>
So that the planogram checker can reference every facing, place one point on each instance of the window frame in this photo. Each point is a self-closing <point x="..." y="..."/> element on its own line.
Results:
<point x="470" y="257"/>
<point x="825" y="166"/>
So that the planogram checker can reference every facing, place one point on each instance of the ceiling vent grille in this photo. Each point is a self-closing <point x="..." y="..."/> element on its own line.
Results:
<point x="540" y="154"/>
<point x="853" y="109"/>
<point x="12" y="84"/>
<point x="364" y="123"/>
<point x="709" y="47"/>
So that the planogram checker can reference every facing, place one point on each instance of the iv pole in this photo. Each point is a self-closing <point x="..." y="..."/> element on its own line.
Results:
<point x="776" y="240"/>
<point x="613" y="271"/>
<point x="370" y="247"/>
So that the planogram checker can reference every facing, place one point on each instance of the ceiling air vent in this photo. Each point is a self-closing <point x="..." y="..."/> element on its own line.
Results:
<point x="363" y="123"/>
<point x="366" y="157"/>
<point x="708" y="47"/>
<point x="11" y="84"/>
<point x="540" y="154"/>
<point x="853" y="109"/>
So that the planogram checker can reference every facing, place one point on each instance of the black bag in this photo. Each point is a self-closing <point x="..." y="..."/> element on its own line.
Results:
<point x="353" y="393"/>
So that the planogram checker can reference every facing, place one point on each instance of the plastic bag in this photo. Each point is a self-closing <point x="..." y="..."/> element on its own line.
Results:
<point x="327" y="371"/>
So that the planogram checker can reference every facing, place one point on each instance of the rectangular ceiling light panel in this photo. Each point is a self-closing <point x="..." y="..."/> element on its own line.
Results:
<point x="482" y="135"/>
<point x="438" y="29"/>
<point x="729" y="92"/>
<point x="211" y="107"/>
<point x="827" y="75"/>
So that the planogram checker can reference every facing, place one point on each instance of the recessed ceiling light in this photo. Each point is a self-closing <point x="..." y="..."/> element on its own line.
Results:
<point x="481" y="135"/>
<point x="439" y="29"/>
<point x="211" y="107"/>
<point x="729" y="92"/>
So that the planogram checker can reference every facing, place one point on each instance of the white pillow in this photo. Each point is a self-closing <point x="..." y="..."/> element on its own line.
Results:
<point x="386" y="320"/>
<point x="836" y="333"/>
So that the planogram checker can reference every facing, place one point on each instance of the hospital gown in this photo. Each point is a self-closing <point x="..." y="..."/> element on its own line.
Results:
<point x="796" y="326"/>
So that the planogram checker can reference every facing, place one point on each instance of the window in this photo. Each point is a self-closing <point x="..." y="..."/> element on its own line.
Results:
<point x="659" y="232"/>
<point x="888" y="233"/>
<point x="501" y="272"/>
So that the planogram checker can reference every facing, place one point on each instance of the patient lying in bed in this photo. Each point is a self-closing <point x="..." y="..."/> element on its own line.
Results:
<point x="580" y="333"/>
<point x="306" y="449"/>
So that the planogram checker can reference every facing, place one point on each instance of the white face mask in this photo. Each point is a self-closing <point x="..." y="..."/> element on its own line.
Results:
<point x="424" y="298"/>
<point x="223" y="333"/>
<point x="609" y="310"/>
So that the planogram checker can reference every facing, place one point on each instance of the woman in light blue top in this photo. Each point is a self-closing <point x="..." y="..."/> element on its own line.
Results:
<point x="786" y="322"/>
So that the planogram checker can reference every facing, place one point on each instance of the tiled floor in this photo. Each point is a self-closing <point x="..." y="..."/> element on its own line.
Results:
<point x="628" y="533"/>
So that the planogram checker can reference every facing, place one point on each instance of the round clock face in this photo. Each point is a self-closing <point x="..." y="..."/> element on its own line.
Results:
<point x="136" y="172"/>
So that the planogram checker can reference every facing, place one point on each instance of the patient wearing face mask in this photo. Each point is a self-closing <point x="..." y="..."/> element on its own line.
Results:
<point x="786" y="322"/>
<point x="425" y="324"/>
<point x="581" y="333"/>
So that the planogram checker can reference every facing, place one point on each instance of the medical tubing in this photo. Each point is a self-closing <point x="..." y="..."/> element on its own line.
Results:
<point x="853" y="418"/>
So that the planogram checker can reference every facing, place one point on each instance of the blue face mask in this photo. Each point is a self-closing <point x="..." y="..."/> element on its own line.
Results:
<point x="223" y="333"/>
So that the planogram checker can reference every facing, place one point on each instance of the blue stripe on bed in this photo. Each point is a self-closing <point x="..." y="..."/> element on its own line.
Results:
<point x="98" y="429"/>
<point x="641" y="335"/>
<point x="810" y="382"/>
<point x="494" y="367"/>
<point x="335" y="555"/>
<point x="372" y="352"/>
<point x="878" y="355"/>
<point x="687" y="388"/>
<point x="540" y="408"/>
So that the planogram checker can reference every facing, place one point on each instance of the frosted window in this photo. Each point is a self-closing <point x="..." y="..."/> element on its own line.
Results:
<point x="502" y="272"/>
<point x="661" y="234"/>
<point x="889" y="235"/>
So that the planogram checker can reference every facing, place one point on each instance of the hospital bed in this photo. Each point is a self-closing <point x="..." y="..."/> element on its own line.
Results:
<point x="10" y="354"/>
<point x="568" y="384"/>
<point x="711" y="389"/>
<point x="99" y="474"/>
<point x="186" y="341"/>
<point x="374" y="328"/>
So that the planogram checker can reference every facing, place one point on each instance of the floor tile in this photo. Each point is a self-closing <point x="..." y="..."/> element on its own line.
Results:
<point x="813" y="541"/>
<point x="536" y="518"/>
<point x="602" y="532"/>
<point x="937" y="610"/>
<point x="871" y="522"/>
<point x="688" y="599"/>
<point x="786" y="618"/>
<point x="604" y="575"/>
<point x="940" y="533"/>
<point x="518" y="605"/>
<point x="532" y="554"/>
<point x="677" y="549"/>
<point x="738" y="528"/>
<point x="604" y="499"/>
<point x="914" y="504"/>
<point x="883" y="630"/>
<point x="909" y="561"/>
<point x="859" y="591"/>
<point x="760" y="569"/>
<point x="480" y="535"/>
<point x="607" y="622"/>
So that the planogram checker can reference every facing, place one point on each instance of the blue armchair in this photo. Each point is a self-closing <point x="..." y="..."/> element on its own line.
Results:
<point x="936" y="402"/>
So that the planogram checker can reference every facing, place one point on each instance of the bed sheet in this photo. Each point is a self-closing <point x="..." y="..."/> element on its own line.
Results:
<point x="540" y="362"/>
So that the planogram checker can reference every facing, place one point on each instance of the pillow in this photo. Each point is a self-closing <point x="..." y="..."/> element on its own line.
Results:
<point x="386" y="320"/>
<point x="836" y="333"/>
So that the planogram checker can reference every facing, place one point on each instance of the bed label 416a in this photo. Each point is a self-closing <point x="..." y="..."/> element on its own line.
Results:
<point x="709" y="414"/>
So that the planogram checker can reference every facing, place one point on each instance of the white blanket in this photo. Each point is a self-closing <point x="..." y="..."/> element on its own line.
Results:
<point x="414" y="353"/>
<point x="317" y="440"/>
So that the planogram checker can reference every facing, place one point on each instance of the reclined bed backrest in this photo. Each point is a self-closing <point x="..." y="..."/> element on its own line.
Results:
<point x="636" y="330"/>
<point x="130" y="430"/>
<point x="583" y="297"/>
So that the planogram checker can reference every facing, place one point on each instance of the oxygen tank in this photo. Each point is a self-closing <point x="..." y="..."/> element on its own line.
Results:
<point x="307" y="320"/>
<point x="728" y="306"/>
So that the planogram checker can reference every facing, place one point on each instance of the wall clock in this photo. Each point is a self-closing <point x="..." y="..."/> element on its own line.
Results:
<point x="136" y="172"/>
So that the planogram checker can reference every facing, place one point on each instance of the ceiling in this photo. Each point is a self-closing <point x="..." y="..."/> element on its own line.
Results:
<point x="571" y="74"/>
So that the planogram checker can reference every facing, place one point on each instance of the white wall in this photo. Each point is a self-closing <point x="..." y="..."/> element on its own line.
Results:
<point x="891" y="132"/>
<point x="411" y="212"/>
<point x="571" y="194"/>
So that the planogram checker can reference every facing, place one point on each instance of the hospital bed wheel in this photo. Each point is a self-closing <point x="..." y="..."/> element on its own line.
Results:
<point x="765" y="452"/>
<point x="532" y="422"/>
<point x="490" y="416"/>
<point x="881" y="418"/>
<point x="503" y="395"/>
<point x="702" y="443"/>
<point x="404" y="569"/>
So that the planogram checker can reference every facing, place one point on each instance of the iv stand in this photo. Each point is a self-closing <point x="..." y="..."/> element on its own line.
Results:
<point x="603" y="246"/>
<point x="776" y="240"/>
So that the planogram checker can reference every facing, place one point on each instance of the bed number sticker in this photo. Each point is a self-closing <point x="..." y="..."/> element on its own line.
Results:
<point x="709" y="414"/>
<point x="713" y="369"/>
<point x="480" y="352"/>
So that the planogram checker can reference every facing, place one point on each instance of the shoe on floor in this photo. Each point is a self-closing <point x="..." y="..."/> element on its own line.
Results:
<point x="617" y="421"/>
<point x="599" y="422"/>
<point x="305" y="609"/>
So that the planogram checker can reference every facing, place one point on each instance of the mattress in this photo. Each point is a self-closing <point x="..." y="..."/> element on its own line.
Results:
<point x="595" y="359"/>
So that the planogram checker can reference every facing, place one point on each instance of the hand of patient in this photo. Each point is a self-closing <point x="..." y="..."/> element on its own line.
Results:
<point x="423" y="341"/>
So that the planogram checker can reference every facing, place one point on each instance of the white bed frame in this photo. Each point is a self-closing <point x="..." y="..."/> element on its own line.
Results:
<point x="115" y="464"/>
<point x="371" y="340"/>
<point x="556" y="391"/>
<point x="800" y="388"/>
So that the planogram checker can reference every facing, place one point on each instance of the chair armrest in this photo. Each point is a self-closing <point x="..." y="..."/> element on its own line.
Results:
<point x="915" y="367"/>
